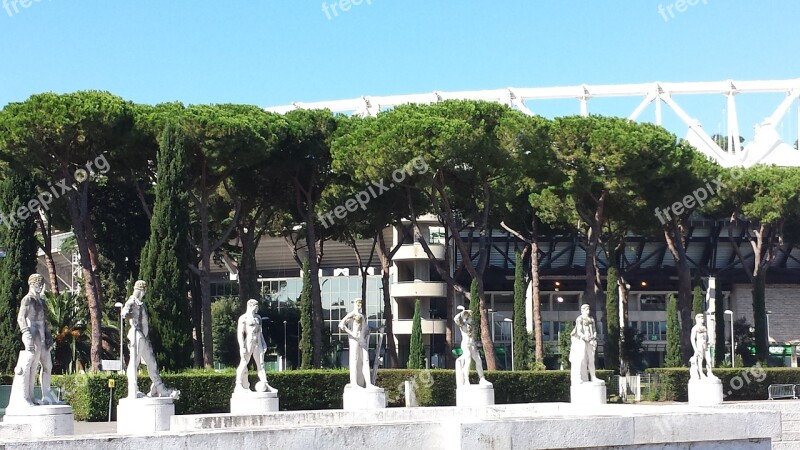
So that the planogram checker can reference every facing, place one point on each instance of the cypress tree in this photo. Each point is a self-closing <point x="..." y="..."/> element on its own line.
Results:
<point x="564" y="344"/>
<point x="305" y="320"/>
<point x="19" y="242"/>
<point x="719" y="329"/>
<point x="611" y="347"/>
<point x="673" y="357"/>
<point x="475" y="308"/>
<point x="416" y="354"/>
<point x="698" y="301"/>
<point x="165" y="257"/>
<point x="521" y="341"/>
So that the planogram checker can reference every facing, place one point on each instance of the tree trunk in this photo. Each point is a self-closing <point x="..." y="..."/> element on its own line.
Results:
<point x="197" y="319"/>
<point x="537" y="313"/>
<point x="248" y="275"/>
<point x="592" y="272"/>
<point x="77" y="201"/>
<point x="388" y="316"/>
<point x="46" y="229"/>
<point x="676" y="247"/>
<point x="316" y="297"/>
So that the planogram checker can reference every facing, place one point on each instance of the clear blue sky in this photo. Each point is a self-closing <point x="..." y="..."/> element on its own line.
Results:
<point x="273" y="52"/>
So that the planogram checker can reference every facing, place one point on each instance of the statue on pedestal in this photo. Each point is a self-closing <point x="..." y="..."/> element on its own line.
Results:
<point x="36" y="337"/>
<point x="583" y="345"/>
<point x="357" y="329"/>
<point x="251" y="345"/>
<point x="699" y="338"/>
<point x="141" y="351"/>
<point x="469" y="350"/>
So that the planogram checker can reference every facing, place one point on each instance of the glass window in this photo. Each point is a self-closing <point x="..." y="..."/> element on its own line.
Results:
<point x="546" y="336"/>
<point x="653" y="302"/>
<point x="436" y="235"/>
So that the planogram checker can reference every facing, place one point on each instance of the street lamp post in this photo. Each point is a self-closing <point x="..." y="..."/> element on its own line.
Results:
<point x="769" y="337"/>
<point x="733" y="340"/>
<point x="491" y="317"/>
<point x="121" y="337"/>
<point x="512" y="341"/>
<point x="285" y="356"/>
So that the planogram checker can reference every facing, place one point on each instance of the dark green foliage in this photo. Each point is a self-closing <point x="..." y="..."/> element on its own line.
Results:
<point x="673" y="356"/>
<point x="611" y="347"/>
<point x="416" y="354"/>
<point x="305" y="320"/>
<point x="698" y="301"/>
<point x="632" y="346"/>
<point x="749" y="383"/>
<point x="521" y="340"/>
<point x="165" y="257"/>
<point x="224" y="318"/>
<point x="475" y="307"/>
<point x="719" y="330"/>
<point x="19" y="242"/>
<point x="564" y="344"/>
<point x="206" y="392"/>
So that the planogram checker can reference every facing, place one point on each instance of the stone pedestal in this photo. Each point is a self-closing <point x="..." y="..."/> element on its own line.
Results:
<point x="249" y="402"/>
<point x="470" y="395"/>
<point x="358" y="398"/>
<point x="144" y="416"/>
<point x="705" y="392"/>
<point x="44" y="420"/>
<point x="588" y="393"/>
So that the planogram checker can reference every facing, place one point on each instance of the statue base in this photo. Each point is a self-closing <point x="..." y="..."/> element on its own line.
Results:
<point x="358" y="398"/>
<point x="144" y="416"/>
<point x="588" y="393"/>
<point x="44" y="420"/>
<point x="251" y="402"/>
<point x="472" y="395"/>
<point x="705" y="392"/>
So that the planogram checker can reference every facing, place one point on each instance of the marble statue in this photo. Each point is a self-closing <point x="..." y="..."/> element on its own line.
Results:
<point x="469" y="350"/>
<point x="699" y="338"/>
<point x="36" y="337"/>
<point x="141" y="351"/>
<point x="357" y="329"/>
<point x="251" y="345"/>
<point x="583" y="344"/>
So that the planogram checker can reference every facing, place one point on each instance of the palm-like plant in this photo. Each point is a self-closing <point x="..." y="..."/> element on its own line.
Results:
<point x="67" y="317"/>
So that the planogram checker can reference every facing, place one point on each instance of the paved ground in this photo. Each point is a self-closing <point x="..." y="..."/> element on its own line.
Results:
<point x="95" y="427"/>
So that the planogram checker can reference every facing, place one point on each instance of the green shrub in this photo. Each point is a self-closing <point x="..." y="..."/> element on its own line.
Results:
<point x="205" y="392"/>
<point x="748" y="383"/>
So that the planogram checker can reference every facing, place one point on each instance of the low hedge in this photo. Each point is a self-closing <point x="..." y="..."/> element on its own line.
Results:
<point x="204" y="392"/>
<point x="748" y="383"/>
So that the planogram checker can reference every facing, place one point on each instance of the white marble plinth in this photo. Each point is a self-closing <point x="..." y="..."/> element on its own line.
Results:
<point x="471" y="395"/>
<point x="588" y="393"/>
<point x="705" y="392"/>
<point x="144" y="416"/>
<point x="44" y="420"/>
<point x="249" y="402"/>
<point x="357" y="398"/>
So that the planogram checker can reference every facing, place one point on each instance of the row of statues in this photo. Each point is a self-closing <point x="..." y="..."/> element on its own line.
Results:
<point x="37" y="339"/>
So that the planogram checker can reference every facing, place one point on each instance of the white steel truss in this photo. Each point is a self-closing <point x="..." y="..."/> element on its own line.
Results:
<point x="766" y="147"/>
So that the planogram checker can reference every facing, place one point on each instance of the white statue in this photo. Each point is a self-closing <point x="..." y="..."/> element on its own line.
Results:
<point x="32" y="321"/>
<point x="699" y="339"/>
<point x="251" y="345"/>
<point x="469" y="350"/>
<point x="582" y="349"/>
<point x="358" y="338"/>
<point x="140" y="348"/>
